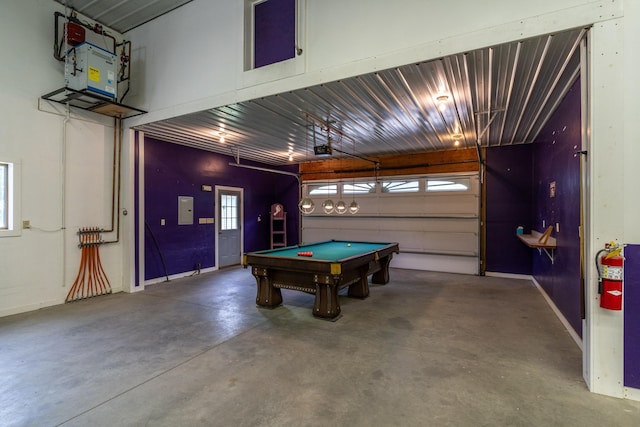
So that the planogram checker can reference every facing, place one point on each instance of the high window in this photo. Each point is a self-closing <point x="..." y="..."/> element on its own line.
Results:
<point x="401" y="186"/>
<point x="4" y="196"/>
<point x="359" y="188"/>
<point x="448" y="184"/>
<point x="322" y="189"/>
<point x="270" y="32"/>
<point x="9" y="198"/>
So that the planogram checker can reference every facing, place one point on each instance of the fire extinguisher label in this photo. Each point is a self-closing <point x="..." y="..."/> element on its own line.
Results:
<point x="611" y="272"/>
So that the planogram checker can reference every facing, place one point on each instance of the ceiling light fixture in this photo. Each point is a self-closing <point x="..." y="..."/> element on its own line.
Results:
<point x="441" y="102"/>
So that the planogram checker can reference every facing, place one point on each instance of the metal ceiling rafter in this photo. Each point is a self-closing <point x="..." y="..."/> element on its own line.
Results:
<point x="383" y="105"/>
<point x="105" y="11"/>
<point x="366" y="106"/>
<point x="417" y="103"/>
<point x="432" y="90"/>
<point x="459" y="97"/>
<point x="356" y="123"/>
<point x="532" y="85"/>
<point x="474" y="119"/>
<point x="402" y="106"/>
<point x="563" y="68"/>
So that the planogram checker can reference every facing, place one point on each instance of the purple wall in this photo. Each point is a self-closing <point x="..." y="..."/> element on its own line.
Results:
<point x="517" y="193"/>
<point x="509" y="201"/>
<point x="555" y="161"/>
<point x="173" y="170"/>
<point x="631" y="316"/>
<point x="274" y="36"/>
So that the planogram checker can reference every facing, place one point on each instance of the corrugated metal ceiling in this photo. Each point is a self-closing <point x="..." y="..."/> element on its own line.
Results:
<point x="123" y="15"/>
<point x="493" y="96"/>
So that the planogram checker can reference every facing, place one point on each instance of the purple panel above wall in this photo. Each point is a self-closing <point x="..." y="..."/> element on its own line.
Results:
<point x="173" y="170"/>
<point x="274" y="31"/>
<point x="632" y="316"/>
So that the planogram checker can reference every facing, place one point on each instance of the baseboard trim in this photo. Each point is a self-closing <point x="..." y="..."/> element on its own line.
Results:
<point x="632" y="393"/>
<point x="559" y="314"/>
<point x="508" y="275"/>
<point x="178" y="276"/>
<point x="29" y="307"/>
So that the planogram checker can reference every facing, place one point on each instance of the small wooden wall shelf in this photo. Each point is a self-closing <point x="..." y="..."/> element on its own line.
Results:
<point x="540" y="241"/>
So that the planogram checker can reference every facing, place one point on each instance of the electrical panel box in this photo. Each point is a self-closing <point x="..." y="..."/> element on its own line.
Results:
<point x="185" y="210"/>
<point x="92" y="68"/>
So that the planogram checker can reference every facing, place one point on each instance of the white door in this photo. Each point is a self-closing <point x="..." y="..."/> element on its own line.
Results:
<point x="229" y="236"/>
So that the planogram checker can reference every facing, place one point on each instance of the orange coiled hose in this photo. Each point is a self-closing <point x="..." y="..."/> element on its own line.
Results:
<point x="91" y="280"/>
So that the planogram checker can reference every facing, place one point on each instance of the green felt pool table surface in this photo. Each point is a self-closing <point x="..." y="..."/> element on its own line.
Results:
<point x="326" y="251"/>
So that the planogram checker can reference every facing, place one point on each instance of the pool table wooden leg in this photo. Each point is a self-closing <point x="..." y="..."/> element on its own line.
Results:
<point x="326" y="303"/>
<point x="381" y="277"/>
<point x="267" y="295"/>
<point x="360" y="289"/>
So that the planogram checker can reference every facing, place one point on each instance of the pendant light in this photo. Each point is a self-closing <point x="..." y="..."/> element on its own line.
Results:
<point x="341" y="207"/>
<point x="306" y="205"/>
<point x="328" y="206"/>
<point x="353" y="206"/>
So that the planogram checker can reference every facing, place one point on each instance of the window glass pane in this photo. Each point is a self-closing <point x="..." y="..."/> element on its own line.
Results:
<point x="274" y="31"/>
<point x="400" y="186"/>
<point x="448" y="184"/>
<point x="359" y="188"/>
<point x="322" y="189"/>
<point x="4" y="195"/>
<point x="229" y="212"/>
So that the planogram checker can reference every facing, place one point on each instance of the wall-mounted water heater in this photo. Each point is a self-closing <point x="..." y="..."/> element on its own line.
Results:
<point x="92" y="68"/>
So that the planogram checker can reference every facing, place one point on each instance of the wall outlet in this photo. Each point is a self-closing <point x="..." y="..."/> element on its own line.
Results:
<point x="162" y="221"/>
<point x="26" y="223"/>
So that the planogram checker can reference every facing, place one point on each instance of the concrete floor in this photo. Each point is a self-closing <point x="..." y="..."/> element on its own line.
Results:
<point x="427" y="349"/>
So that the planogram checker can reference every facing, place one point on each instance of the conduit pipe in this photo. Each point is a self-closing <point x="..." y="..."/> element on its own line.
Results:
<point x="116" y="175"/>
<point x="63" y="194"/>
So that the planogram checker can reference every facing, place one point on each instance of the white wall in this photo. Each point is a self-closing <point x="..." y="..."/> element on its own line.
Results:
<point x="38" y="267"/>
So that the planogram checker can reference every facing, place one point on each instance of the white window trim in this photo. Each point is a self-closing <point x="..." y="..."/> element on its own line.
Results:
<point x="13" y="209"/>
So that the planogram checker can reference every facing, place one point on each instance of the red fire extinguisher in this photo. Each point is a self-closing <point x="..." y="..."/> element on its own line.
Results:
<point x="610" y="275"/>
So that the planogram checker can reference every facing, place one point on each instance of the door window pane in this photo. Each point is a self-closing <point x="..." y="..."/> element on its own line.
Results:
<point x="229" y="212"/>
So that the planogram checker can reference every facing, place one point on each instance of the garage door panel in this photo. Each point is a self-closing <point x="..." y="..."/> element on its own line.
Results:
<point x="435" y="231"/>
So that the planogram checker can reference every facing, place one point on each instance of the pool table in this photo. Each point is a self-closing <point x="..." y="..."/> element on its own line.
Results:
<point x="332" y="266"/>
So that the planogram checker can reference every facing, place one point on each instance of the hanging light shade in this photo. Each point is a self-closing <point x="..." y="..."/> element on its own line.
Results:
<point x="306" y="205"/>
<point x="328" y="206"/>
<point x="354" y="207"/>
<point x="341" y="207"/>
